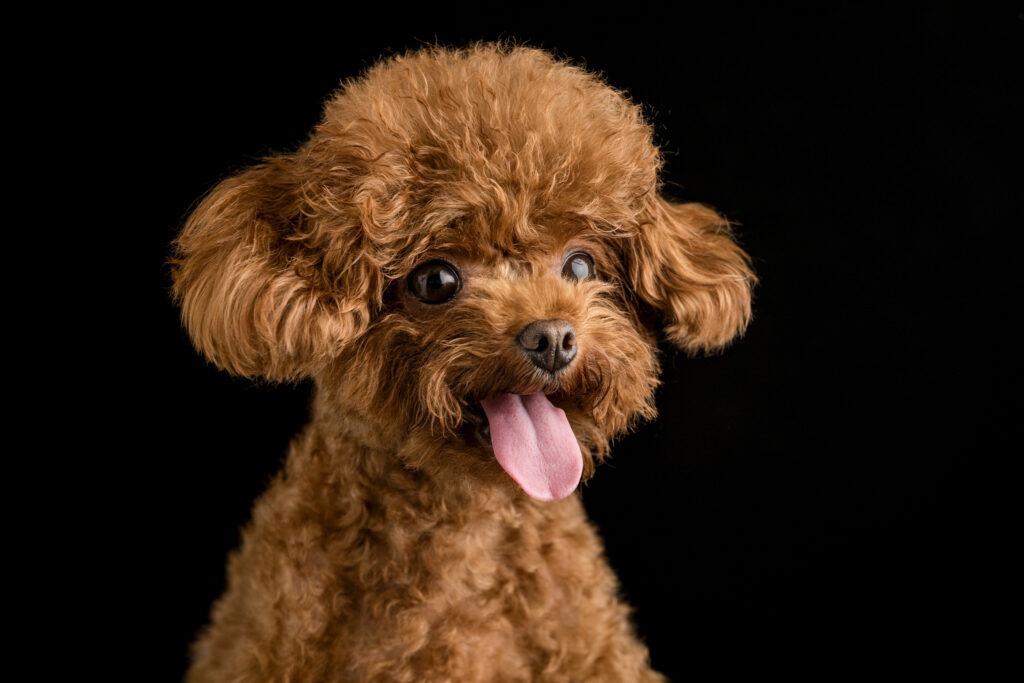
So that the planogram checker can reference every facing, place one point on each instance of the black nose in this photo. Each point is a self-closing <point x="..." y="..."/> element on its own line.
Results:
<point x="549" y="344"/>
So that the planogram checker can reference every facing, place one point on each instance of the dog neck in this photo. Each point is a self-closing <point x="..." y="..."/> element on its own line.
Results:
<point x="369" y="458"/>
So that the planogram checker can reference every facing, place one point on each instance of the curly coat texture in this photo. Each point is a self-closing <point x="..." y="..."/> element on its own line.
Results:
<point x="393" y="547"/>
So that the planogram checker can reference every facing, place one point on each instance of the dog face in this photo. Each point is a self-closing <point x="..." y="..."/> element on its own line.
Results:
<point x="469" y="253"/>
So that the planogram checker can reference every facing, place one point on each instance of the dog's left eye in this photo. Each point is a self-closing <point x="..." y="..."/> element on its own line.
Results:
<point x="578" y="266"/>
<point x="434" y="282"/>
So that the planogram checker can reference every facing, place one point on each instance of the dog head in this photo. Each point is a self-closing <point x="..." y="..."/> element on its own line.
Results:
<point x="470" y="252"/>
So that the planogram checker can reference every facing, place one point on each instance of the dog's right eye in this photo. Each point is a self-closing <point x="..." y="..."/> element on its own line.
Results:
<point x="578" y="266"/>
<point x="434" y="282"/>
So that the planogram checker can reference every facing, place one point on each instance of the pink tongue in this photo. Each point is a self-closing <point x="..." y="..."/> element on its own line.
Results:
<point x="533" y="441"/>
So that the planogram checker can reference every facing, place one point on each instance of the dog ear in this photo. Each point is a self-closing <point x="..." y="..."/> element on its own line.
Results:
<point x="250" y="274"/>
<point x="687" y="266"/>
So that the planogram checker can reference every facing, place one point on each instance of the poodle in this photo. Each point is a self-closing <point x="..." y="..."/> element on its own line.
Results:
<point x="471" y="259"/>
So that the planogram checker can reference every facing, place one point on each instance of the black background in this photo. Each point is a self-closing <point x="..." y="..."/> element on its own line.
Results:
<point x="822" y="496"/>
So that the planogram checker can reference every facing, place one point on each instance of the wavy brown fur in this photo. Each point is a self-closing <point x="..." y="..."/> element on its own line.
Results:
<point x="393" y="547"/>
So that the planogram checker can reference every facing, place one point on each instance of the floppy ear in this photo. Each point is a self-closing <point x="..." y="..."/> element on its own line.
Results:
<point x="250" y="273"/>
<point x="685" y="264"/>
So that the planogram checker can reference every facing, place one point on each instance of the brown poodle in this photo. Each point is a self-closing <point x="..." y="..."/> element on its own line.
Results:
<point x="470" y="258"/>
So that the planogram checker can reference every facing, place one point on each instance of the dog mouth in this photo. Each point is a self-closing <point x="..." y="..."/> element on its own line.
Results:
<point x="532" y="440"/>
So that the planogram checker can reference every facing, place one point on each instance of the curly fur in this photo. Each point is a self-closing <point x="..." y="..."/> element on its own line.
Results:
<point x="393" y="547"/>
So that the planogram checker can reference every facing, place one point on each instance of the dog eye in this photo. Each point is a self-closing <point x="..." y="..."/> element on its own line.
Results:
<point x="578" y="266"/>
<point x="434" y="282"/>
